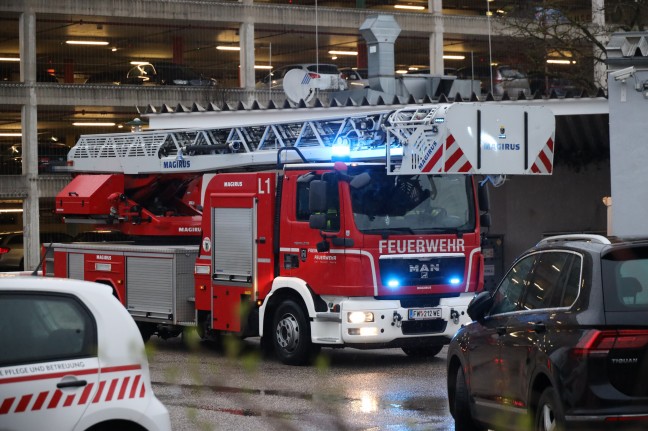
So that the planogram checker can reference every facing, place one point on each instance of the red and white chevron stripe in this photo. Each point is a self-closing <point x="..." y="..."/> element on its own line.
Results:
<point x="455" y="159"/>
<point x="127" y="387"/>
<point x="543" y="163"/>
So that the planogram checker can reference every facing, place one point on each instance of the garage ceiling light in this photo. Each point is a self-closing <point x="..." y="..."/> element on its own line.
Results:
<point x="9" y="58"/>
<point x="10" y="134"/>
<point x="558" y="61"/>
<point x="262" y="66"/>
<point x="103" y="124"/>
<point x="408" y="7"/>
<point x="228" y="48"/>
<point x="334" y="52"/>
<point x="454" y="57"/>
<point x="86" y="42"/>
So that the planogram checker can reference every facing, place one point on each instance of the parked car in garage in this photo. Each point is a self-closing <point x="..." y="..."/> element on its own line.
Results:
<point x="505" y="79"/>
<point x="561" y="344"/>
<point x="546" y="84"/>
<point x="355" y="78"/>
<point x="72" y="358"/>
<point x="166" y="73"/>
<point x="52" y="158"/>
<point x="320" y="76"/>
<point x="12" y="247"/>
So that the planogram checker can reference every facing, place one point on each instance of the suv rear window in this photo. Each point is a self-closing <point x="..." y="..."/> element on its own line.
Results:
<point x="625" y="279"/>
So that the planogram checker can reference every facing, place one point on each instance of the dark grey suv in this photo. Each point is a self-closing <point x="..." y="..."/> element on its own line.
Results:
<point x="561" y="343"/>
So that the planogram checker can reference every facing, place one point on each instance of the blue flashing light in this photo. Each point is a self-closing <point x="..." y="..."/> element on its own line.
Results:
<point x="393" y="283"/>
<point x="455" y="281"/>
<point x="341" y="148"/>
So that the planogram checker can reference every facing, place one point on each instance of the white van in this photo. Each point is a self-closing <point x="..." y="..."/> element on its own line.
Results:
<point x="72" y="358"/>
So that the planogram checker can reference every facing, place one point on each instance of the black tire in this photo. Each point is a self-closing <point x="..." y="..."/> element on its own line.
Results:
<point x="146" y="330"/>
<point x="426" y="351"/>
<point x="291" y="335"/>
<point x="462" y="416"/>
<point x="549" y="415"/>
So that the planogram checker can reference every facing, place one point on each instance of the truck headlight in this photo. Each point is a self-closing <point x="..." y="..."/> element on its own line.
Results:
<point x="360" y="317"/>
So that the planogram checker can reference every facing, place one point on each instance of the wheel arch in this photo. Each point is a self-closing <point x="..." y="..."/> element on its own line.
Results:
<point x="454" y="363"/>
<point x="117" y="424"/>
<point x="541" y="381"/>
<point x="284" y="288"/>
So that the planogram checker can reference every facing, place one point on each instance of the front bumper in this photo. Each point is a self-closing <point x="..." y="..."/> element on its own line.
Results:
<point x="391" y="325"/>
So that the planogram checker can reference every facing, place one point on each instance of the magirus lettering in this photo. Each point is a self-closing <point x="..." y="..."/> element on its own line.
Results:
<point x="175" y="164"/>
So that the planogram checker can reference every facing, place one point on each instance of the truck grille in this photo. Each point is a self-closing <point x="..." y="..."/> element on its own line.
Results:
<point x="410" y="327"/>
<point x="422" y="271"/>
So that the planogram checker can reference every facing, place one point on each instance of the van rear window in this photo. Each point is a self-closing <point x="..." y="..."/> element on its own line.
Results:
<point x="625" y="279"/>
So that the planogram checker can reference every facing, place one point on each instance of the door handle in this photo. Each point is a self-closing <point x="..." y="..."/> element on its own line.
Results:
<point x="501" y="330"/>
<point x="539" y="327"/>
<point x="71" y="384"/>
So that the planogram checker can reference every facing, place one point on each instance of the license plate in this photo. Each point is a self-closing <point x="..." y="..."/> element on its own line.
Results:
<point x="424" y="313"/>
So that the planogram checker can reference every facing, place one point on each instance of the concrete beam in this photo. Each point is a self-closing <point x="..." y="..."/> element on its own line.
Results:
<point x="16" y="186"/>
<point x="110" y="95"/>
<point x="284" y="15"/>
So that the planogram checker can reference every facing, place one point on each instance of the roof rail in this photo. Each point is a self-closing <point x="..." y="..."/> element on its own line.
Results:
<point x="575" y="237"/>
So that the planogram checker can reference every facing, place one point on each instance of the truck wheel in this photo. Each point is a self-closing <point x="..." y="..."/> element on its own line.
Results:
<point x="462" y="416"/>
<point x="549" y="414"/>
<point x="423" y="351"/>
<point x="146" y="330"/>
<point x="291" y="337"/>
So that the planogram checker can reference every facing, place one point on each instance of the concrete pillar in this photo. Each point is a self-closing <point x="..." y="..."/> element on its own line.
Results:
<point x="361" y="59"/>
<point x="68" y="71"/>
<point x="246" y="54"/>
<point x="598" y="20"/>
<point x="627" y="59"/>
<point x="29" y="122"/>
<point x="436" y="38"/>
<point x="178" y="49"/>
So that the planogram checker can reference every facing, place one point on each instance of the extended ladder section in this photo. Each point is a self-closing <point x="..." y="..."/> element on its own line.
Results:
<point x="358" y="137"/>
<point x="471" y="138"/>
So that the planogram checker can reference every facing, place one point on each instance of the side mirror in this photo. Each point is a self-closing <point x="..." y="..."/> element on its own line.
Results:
<point x="479" y="305"/>
<point x="485" y="220"/>
<point x="483" y="198"/>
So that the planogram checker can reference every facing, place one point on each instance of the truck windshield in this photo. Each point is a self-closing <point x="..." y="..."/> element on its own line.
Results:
<point x="415" y="204"/>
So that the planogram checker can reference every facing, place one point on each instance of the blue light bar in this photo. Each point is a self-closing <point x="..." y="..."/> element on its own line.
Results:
<point x="455" y="281"/>
<point x="393" y="283"/>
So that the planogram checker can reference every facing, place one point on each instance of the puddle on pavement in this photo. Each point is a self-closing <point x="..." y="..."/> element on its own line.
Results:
<point x="364" y="403"/>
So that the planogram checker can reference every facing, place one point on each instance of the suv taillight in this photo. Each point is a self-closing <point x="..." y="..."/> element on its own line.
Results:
<point x="4" y="250"/>
<point x="313" y="75"/>
<point x="596" y="341"/>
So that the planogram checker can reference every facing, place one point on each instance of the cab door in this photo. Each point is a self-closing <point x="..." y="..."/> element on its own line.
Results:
<point x="48" y="360"/>
<point x="306" y="252"/>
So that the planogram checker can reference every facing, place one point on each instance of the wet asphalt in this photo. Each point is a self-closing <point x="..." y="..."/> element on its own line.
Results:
<point x="207" y="387"/>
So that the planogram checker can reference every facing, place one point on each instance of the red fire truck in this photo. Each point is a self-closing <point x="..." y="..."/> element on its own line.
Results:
<point x="358" y="230"/>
